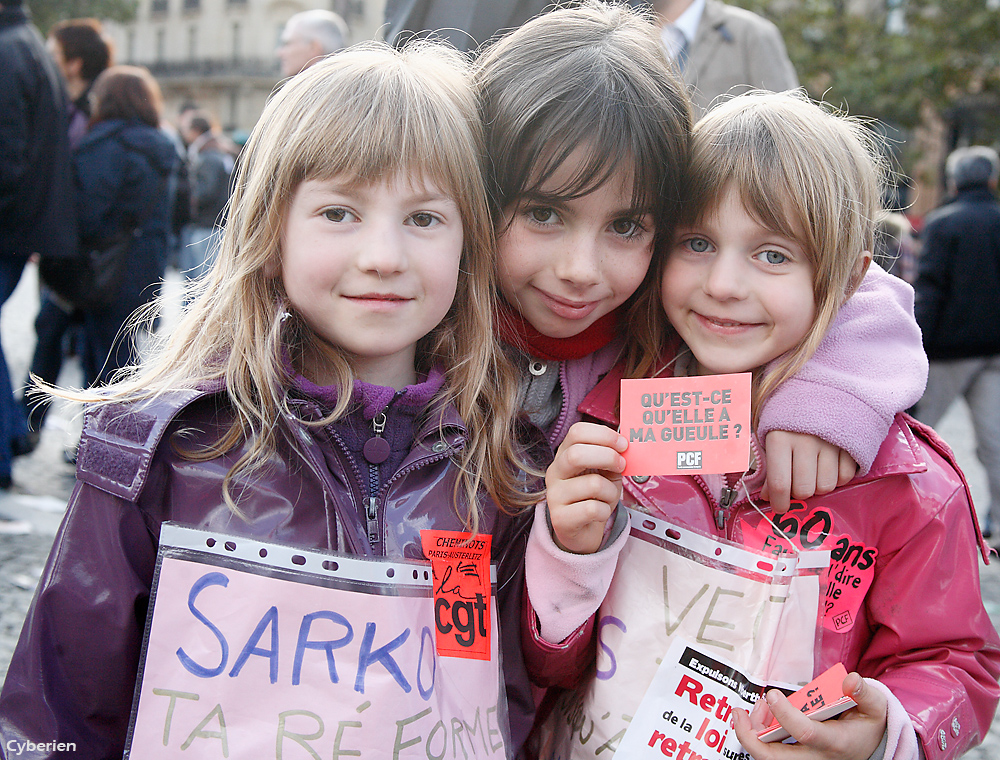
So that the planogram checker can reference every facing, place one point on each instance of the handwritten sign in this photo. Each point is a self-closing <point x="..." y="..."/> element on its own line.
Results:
<point x="255" y="647"/>
<point x="461" y="567"/>
<point x="686" y="425"/>
<point x="755" y="611"/>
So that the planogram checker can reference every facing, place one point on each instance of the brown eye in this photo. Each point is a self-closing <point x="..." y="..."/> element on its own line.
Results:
<point x="336" y="214"/>
<point x="425" y="219"/>
<point x="543" y="215"/>
<point x="625" y="227"/>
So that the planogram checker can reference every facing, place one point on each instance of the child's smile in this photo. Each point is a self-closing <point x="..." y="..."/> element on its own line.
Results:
<point x="738" y="294"/>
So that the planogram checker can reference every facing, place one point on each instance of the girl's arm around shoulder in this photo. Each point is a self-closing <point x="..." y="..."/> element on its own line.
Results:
<point x="870" y="366"/>
<point x="88" y="612"/>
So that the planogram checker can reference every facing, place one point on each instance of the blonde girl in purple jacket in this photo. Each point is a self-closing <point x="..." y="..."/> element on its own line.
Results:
<point x="334" y="385"/>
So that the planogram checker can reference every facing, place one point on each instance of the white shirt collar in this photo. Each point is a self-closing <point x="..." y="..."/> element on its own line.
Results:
<point x="688" y="21"/>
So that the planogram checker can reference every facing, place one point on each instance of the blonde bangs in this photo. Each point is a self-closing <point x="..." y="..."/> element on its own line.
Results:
<point x="342" y="117"/>
<point x="804" y="171"/>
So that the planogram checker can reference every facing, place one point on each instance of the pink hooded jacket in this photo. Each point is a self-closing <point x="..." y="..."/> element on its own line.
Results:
<point x="921" y="630"/>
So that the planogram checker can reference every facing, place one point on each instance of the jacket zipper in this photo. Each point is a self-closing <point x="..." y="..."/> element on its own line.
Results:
<point x="729" y="492"/>
<point x="371" y="507"/>
<point x="726" y="499"/>
<point x="557" y="429"/>
<point x="321" y="473"/>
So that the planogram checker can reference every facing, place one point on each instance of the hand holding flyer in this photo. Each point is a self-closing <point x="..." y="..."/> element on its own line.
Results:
<point x="820" y="699"/>
<point x="856" y="734"/>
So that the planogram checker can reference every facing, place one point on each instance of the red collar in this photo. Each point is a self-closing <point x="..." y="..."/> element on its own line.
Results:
<point x="515" y="331"/>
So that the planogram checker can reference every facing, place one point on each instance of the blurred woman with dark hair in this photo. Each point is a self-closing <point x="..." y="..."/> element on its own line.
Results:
<point x="122" y="167"/>
<point x="82" y="51"/>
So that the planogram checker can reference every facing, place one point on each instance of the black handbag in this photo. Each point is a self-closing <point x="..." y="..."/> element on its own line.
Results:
<point x="91" y="279"/>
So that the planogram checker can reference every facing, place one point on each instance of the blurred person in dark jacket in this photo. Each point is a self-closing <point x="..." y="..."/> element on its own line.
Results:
<point x="958" y="307"/>
<point x="81" y="51"/>
<point x="211" y="158"/>
<point x="36" y="202"/>
<point x="122" y="169"/>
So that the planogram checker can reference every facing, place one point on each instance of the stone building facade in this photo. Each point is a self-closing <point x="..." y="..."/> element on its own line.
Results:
<point x="219" y="54"/>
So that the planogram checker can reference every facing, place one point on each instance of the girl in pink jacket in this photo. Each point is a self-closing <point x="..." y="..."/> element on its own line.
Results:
<point x="777" y="234"/>
<point x="587" y="132"/>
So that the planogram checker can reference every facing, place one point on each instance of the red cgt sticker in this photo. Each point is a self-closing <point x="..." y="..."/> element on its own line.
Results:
<point x="461" y="566"/>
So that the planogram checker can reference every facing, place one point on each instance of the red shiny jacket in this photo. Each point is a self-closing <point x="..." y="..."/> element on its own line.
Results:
<point x="921" y="629"/>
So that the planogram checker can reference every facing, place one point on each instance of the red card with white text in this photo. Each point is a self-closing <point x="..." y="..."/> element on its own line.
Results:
<point x="686" y="425"/>
<point x="820" y="699"/>
<point x="461" y="566"/>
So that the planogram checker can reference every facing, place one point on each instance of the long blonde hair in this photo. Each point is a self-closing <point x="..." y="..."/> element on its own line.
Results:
<point x="804" y="171"/>
<point x="369" y="113"/>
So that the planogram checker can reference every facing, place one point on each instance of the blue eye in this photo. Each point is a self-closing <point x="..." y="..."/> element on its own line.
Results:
<point x="772" y="257"/>
<point x="698" y="245"/>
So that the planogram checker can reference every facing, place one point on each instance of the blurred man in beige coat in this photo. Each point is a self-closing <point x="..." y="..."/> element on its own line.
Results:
<point x="723" y="50"/>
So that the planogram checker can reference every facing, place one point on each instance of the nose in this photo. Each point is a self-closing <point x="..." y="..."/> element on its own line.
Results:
<point x="578" y="261"/>
<point x="382" y="249"/>
<point x="725" y="279"/>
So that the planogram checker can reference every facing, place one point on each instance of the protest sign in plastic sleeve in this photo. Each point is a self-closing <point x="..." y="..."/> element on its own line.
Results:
<point x="751" y="610"/>
<point x="253" y="648"/>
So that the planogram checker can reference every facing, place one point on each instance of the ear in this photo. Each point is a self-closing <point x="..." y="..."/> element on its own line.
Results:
<point x="316" y="51"/>
<point x="860" y="268"/>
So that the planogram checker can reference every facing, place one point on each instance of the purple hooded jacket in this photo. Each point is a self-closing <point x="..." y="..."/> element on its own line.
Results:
<point x="73" y="672"/>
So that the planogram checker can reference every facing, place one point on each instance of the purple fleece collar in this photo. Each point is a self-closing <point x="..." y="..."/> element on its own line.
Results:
<point x="375" y="398"/>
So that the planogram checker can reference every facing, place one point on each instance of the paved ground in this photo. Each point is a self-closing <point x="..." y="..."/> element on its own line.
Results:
<point x="42" y="483"/>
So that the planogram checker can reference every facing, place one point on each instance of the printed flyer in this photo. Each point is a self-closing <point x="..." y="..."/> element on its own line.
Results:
<point x="686" y="425"/>
<point x="687" y="711"/>
<point x="254" y="648"/>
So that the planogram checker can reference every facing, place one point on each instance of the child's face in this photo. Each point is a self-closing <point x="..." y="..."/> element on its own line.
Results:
<point x="564" y="264"/>
<point x="372" y="268"/>
<point x="738" y="294"/>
